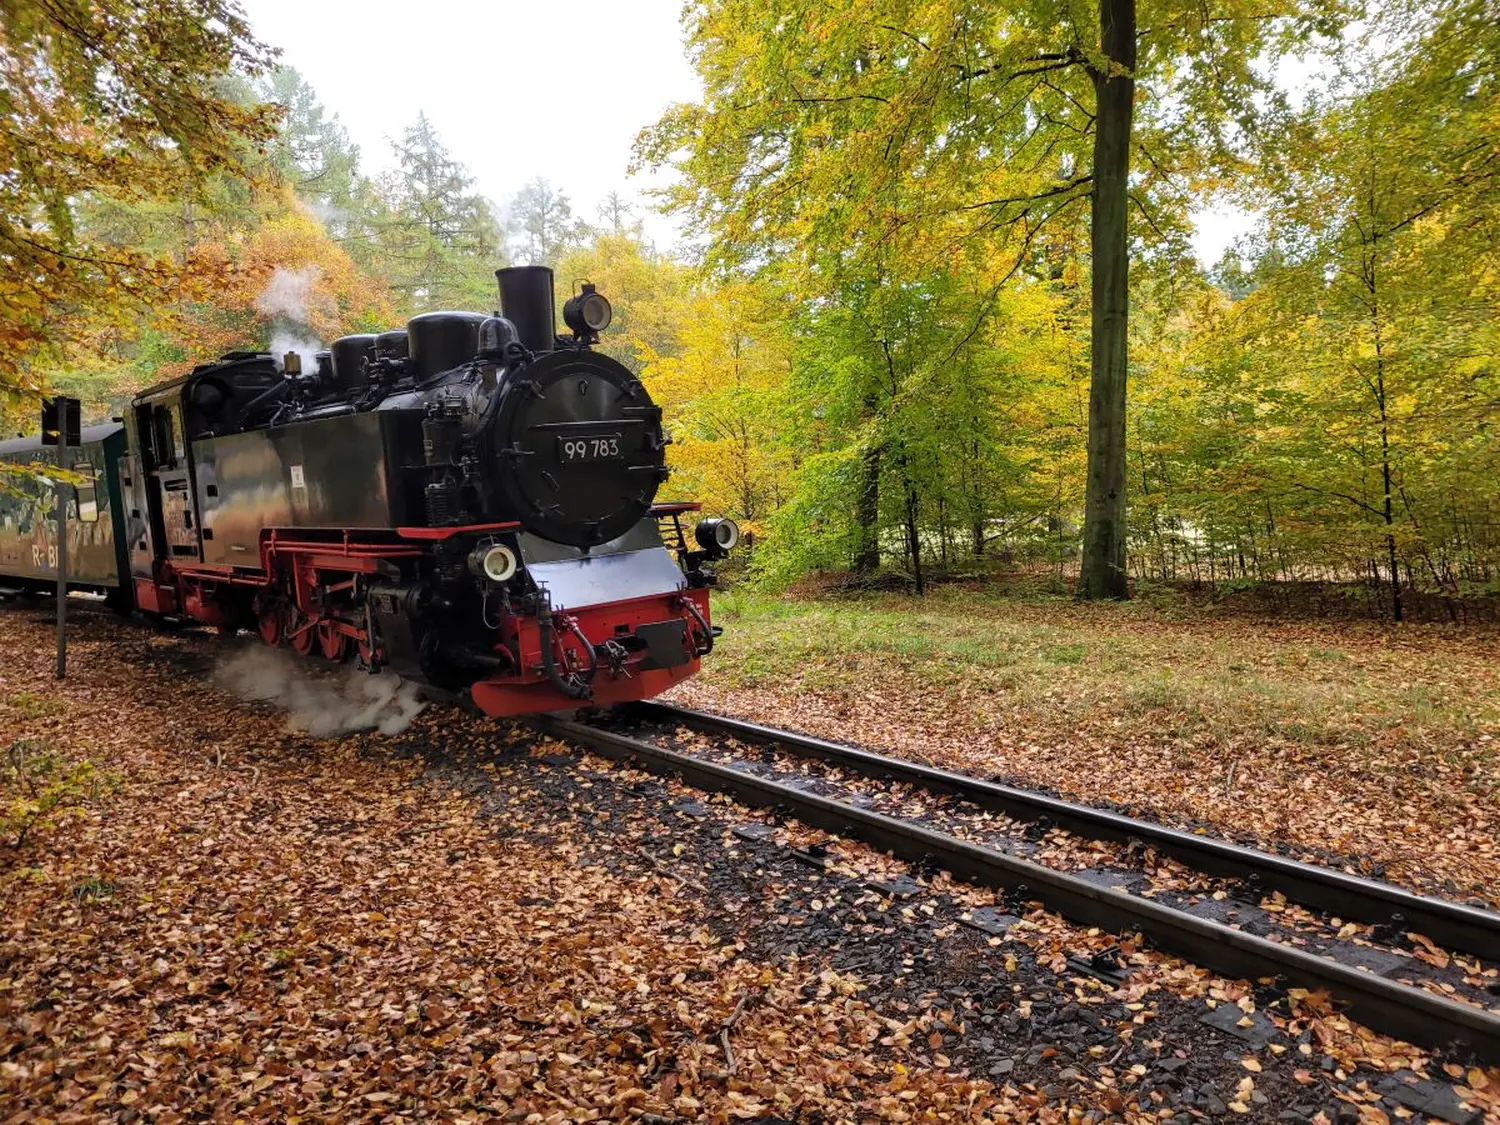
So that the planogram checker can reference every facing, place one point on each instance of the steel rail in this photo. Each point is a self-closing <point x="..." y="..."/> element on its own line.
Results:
<point x="1350" y="897"/>
<point x="1405" y="1011"/>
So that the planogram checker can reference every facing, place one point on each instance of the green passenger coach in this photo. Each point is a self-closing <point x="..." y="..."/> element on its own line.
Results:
<point x="97" y="519"/>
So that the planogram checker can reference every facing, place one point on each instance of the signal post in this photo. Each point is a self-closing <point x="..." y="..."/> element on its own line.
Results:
<point x="60" y="427"/>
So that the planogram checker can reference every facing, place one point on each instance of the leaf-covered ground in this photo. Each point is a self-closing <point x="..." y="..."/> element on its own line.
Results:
<point x="1378" y="745"/>
<point x="461" y="923"/>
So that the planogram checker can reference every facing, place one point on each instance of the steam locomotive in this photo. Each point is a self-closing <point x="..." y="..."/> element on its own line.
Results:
<point x="468" y="501"/>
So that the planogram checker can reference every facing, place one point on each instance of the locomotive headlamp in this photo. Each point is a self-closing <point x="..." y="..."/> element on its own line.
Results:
<point x="588" y="312"/>
<point x="717" y="534"/>
<point x="494" y="561"/>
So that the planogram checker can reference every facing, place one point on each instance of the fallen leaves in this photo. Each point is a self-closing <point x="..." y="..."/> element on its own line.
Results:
<point x="327" y="928"/>
<point x="350" y="929"/>
<point x="1429" y="952"/>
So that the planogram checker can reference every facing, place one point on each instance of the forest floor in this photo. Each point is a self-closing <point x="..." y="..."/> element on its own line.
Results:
<point x="1375" y="746"/>
<point x="461" y="921"/>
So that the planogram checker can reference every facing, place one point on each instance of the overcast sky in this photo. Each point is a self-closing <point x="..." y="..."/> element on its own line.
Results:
<point x="516" y="90"/>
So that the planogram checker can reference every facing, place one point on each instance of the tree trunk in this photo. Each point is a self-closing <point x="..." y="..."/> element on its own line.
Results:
<point x="914" y="536"/>
<point x="867" y="512"/>
<point x="1390" y="537"/>
<point x="976" y="502"/>
<point x="1103" y="571"/>
<point x="1387" y="508"/>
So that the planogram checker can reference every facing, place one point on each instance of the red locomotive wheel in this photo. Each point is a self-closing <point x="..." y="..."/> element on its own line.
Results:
<point x="331" y="643"/>
<point x="268" y="625"/>
<point x="301" y="635"/>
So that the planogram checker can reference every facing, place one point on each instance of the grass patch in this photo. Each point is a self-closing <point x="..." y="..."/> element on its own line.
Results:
<point x="93" y="889"/>
<point x="33" y="705"/>
<point x="1066" y="654"/>
<point x="1191" y="676"/>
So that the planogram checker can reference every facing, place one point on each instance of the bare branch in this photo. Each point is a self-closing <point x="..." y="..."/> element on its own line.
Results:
<point x="901" y="31"/>
<point x="1355" y="500"/>
<point x="1060" y="189"/>
<point x="987" y="307"/>
<point x="1145" y="214"/>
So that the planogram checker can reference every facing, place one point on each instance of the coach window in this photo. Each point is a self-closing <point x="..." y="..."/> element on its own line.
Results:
<point x="88" y="492"/>
<point x="179" y="436"/>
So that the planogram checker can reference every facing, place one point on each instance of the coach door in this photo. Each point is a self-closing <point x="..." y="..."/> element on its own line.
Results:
<point x="168" y="480"/>
<point x="139" y="533"/>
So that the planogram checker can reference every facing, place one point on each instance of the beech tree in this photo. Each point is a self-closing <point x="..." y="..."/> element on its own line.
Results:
<point x="108" y="98"/>
<point x="1371" y="324"/>
<point x="867" y="142"/>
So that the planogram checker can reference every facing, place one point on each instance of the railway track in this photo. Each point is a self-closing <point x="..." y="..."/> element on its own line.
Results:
<point x="1005" y="837"/>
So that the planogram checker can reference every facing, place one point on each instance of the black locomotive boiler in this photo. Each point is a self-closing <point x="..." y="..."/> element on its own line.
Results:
<point x="469" y="501"/>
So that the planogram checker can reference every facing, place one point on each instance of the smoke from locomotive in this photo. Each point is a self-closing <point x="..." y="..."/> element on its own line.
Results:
<point x="469" y="501"/>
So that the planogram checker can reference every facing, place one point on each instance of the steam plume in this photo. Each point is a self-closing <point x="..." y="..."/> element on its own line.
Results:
<point x="320" y="705"/>
<point x="330" y="215"/>
<point x="288" y="292"/>
<point x="287" y="299"/>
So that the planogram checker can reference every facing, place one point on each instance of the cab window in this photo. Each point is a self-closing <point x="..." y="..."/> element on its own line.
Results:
<point x="163" y="437"/>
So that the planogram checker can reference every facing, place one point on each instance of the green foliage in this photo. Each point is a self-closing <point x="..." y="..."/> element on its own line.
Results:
<point x="313" y="154"/>
<point x="905" y="167"/>
<point x="911" y="178"/>
<point x="816" y="529"/>
<point x="114" y="100"/>
<point x="1333" y="420"/>
<point x="542" y="225"/>
<point x="40" y="789"/>
<point x="433" y="237"/>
